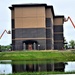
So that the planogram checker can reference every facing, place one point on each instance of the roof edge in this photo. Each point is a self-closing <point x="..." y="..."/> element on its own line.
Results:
<point x="59" y="16"/>
<point x="26" y="5"/>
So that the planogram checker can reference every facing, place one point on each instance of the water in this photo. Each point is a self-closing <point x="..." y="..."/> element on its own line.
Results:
<point x="6" y="67"/>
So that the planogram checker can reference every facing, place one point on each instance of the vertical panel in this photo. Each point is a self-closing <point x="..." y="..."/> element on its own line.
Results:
<point x="48" y="33"/>
<point x="13" y="23"/>
<point x="12" y="14"/>
<point x="58" y="21"/>
<point x="58" y="45"/>
<point x="49" y="14"/>
<point x="48" y="22"/>
<point x="48" y="44"/>
<point x="13" y="34"/>
<point x="18" y="22"/>
<point x="29" y="11"/>
<point x="18" y="12"/>
<point x="40" y="11"/>
<point x="58" y="37"/>
<point x="58" y="28"/>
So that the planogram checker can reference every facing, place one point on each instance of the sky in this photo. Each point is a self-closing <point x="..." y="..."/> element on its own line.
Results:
<point x="61" y="7"/>
<point x="70" y="66"/>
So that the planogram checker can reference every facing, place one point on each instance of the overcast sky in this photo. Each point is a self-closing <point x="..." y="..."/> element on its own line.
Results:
<point x="61" y="7"/>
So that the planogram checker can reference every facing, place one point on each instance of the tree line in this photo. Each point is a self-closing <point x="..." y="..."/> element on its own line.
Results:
<point x="5" y="48"/>
<point x="70" y="45"/>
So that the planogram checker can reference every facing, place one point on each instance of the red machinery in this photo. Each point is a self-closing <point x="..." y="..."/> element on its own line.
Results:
<point x="65" y="20"/>
<point x="8" y="32"/>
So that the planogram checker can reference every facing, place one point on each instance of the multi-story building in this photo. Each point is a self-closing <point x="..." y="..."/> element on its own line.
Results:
<point x="36" y="27"/>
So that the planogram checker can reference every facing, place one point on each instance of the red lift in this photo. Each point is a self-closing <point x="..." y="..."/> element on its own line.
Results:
<point x="8" y="32"/>
<point x="65" y="20"/>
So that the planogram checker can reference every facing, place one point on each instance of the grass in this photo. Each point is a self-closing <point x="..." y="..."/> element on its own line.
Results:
<point x="38" y="55"/>
<point x="41" y="73"/>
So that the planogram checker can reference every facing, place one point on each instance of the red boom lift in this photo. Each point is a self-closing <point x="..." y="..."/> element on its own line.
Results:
<point x="8" y="32"/>
<point x="65" y="20"/>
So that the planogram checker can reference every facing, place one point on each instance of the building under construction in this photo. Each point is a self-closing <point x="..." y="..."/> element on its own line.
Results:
<point x="36" y="27"/>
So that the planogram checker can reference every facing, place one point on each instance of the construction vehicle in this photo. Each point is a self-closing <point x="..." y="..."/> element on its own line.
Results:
<point x="65" y="20"/>
<point x="8" y="32"/>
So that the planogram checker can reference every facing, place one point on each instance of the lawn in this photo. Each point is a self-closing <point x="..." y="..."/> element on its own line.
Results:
<point x="42" y="73"/>
<point x="62" y="55"/>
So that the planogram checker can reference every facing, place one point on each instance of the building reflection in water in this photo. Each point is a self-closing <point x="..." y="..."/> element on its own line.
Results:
<point x="39" y="67"/>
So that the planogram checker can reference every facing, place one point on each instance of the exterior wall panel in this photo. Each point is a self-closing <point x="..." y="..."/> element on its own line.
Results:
<point x="18" y="45"/>
<point x="49" y="14"/>
<point x="30" y="33"/>
<point x="18" y="22"/>
<point x="13" y="23"/>
<point x="30" y="17"/>
<point x="58" y="36"/>
<point x="30" y="22"/>
<point x="18" y="12"/>
<point x="13" y="34"/>
<point x="58" y="21"/>
<point x="48" y="22"/>
<point x="42" y="43"/>
<point x="48" y="33"/>
<point x="58" y="45"/>
<point x="48" y="44"/>
<point x="13" y="45"/>
<point x="58" y="28"/>
<point x="12" y="14"/>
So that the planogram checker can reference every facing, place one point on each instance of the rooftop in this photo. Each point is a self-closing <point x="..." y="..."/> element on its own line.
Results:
<point x="33" y="5"/>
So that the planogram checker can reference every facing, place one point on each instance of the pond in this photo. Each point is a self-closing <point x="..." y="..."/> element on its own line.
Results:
<point x="7" y="67"/>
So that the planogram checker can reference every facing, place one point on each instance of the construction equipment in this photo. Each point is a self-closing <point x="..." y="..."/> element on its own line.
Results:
<point x="65" y="20"/>
<point x="8" y="32"/>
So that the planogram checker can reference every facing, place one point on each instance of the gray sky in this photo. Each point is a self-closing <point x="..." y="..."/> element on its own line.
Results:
<point x="61" y="7"/>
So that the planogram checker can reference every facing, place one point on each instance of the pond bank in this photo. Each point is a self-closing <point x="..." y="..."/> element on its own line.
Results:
<point x="39" y="55"/>
<point x="41" y="73"/>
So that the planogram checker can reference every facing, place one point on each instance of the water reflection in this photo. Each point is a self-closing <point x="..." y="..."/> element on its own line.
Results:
<point x="58" y="66"/>
<point x="70" y="66"/>
<point x="39" y="67"/>
<point x="5" y="68"/>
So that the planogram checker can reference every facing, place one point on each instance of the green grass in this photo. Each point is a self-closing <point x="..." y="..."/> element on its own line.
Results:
<point x="41" y="73"/>
<point x="38" y="55"/>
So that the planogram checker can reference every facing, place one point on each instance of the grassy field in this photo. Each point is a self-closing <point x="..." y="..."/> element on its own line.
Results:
<point x="42" y="73"/>
<point x="56" y="55"/>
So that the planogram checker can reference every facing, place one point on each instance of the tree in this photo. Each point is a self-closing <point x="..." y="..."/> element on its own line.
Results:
<point x="72" y="43"/>
<point x="65" y="44"/>
<point x="5" y="48"/>
<point x="0" y="48"/>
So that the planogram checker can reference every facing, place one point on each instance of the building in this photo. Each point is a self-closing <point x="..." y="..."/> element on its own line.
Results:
<point x="45" y="67"/>
<point x="36" y="27"/>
